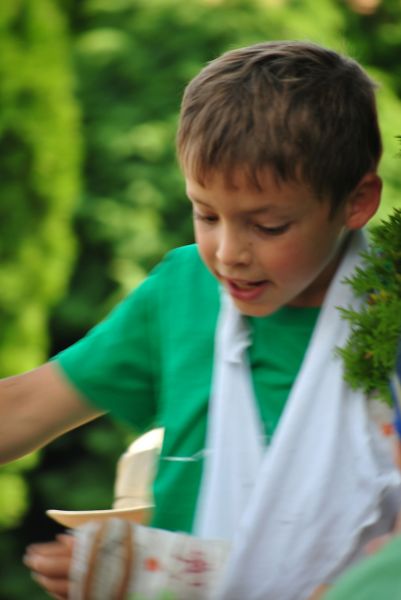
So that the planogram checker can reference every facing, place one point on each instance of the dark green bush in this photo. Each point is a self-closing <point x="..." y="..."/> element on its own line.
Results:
<point x="369" y="355"/>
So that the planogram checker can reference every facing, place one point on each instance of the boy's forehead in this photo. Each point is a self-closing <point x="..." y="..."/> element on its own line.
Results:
<point x="239" y="180"/>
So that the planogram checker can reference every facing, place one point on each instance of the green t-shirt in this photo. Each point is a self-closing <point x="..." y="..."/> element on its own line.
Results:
<point x="374" y="578"/>
<point x="150" y="362"/>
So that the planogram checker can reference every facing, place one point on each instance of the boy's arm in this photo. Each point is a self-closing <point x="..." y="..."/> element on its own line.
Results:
<point x="37" y="407"/>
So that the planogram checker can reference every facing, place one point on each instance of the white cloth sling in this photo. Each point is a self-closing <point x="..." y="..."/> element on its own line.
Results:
<point x="295" y="512"/>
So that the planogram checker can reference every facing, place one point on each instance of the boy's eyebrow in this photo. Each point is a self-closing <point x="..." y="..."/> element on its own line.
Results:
<point x="255" y="211"/>
<point x="193" y="199"/>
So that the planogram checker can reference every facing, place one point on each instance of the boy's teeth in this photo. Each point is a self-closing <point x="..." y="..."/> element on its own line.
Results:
<point x="246" y="286"/>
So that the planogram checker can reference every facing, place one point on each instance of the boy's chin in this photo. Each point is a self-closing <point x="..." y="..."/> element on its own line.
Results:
<point x="255" y="310"/>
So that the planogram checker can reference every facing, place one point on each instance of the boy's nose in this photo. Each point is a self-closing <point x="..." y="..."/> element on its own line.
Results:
<point x="232" y="250"/>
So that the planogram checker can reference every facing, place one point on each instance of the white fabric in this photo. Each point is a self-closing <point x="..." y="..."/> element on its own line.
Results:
<point x="298" y="516"/>
<point x="234" y="468"/>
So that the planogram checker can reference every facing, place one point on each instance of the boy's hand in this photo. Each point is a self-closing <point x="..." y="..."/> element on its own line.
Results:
<point x="50" y="565"/>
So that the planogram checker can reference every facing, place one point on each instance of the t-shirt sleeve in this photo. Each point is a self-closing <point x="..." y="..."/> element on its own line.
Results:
<point x="115" y="365"/>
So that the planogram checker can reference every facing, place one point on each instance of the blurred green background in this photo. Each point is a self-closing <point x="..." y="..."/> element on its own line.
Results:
<point x="91" y="196"/>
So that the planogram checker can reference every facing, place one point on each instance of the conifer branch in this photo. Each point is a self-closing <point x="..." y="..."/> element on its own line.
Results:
<point x="369" y="354"/>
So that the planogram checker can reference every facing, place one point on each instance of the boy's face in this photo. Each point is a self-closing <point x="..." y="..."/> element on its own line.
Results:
<point x="268" y="248"/>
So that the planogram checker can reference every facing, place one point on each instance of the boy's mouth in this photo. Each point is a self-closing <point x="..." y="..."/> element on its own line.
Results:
<point x="245" y="290"/>
<point x="245" y="285"/>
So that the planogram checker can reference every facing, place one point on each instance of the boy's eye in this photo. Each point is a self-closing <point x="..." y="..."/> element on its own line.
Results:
<point x="204" y="218"/>
<point x="273" y="230"/>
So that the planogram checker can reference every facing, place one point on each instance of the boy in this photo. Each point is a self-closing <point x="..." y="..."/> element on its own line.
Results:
<point x="229" y="344"/>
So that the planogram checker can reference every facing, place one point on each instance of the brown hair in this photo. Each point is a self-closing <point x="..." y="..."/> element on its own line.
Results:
<point x="301" y="109"/>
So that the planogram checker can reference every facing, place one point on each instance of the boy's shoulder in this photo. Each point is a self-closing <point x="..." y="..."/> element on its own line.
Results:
<point x="183" y="282"/>
<point x="173" y="281"/>
<point x="183" y="262"/>
<point x="185" y="255"/>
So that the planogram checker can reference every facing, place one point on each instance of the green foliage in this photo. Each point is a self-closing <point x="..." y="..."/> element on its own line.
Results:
<point x="39" y="173"/>
<point x="14" y="490"/>
<point x="369" y="354"/>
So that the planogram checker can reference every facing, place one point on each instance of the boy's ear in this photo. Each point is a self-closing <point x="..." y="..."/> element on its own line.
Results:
<point x="363" y="201"/>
